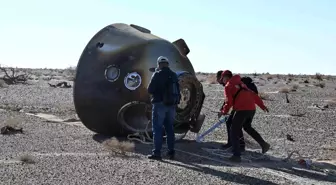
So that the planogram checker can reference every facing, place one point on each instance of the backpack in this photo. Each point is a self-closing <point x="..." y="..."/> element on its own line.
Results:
<point x="249" y="84"/>
<point x="171" y="95"/>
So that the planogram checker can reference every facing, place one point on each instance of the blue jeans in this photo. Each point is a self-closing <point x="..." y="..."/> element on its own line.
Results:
<point x="163" y="115"/>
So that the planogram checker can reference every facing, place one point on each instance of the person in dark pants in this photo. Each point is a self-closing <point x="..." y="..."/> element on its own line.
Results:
<point x="229" y="121"/>
<point x="162" y="114"/>
<point x="243" y="101"/>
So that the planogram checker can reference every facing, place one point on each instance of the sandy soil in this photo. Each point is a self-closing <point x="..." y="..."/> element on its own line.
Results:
<point x="69" y="153"/>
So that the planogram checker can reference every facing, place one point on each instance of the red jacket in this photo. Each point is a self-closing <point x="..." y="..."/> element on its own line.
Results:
<point x="245" y="100"/>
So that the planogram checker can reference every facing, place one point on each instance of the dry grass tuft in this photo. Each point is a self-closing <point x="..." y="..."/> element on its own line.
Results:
<point x="320" y="84"/>
<point x="116" y="146"/>
<point x="27" y="159"/>
<point x="284" y="90"/>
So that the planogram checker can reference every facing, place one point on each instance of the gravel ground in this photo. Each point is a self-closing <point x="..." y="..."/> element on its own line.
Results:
<point x="71" y="154"/>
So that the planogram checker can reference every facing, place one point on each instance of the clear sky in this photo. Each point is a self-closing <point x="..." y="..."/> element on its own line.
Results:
<point x="245" y="36"/>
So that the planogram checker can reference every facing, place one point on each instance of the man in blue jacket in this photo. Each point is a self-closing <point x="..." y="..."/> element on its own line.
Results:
<point x="163" y="114"/>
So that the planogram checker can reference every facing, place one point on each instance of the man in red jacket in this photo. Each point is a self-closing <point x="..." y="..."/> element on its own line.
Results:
<point x="242" y="100"/>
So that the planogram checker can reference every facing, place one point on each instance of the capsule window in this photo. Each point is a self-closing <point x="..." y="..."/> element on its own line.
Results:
<point x="132" y="81"/>
<point x="112" y="73"/>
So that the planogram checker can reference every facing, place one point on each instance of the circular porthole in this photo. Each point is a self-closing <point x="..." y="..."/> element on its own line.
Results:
<point x="112" y="73"/>
<point x="132" y="81"/>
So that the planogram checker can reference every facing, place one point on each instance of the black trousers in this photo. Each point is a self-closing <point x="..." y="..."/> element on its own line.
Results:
<point x="240" y="120"/>
<point x="228" y="130"/>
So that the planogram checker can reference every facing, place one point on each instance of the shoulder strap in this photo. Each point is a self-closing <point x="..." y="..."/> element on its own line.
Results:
<point x="235" y="96"/>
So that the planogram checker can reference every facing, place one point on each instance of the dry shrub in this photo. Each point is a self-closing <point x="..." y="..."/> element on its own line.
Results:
<point x="27" y="159"/>
<point x="328" y="77"/>
<point x="284" y="90"/>
<point x="13" y="122"/>
<point x="3" y="83"/>
<point x="331" y="103"/>
<point x="201" y="78"/>
<point x="319" y="76"/>
<point x="295" y="87"/>
<point x="45" y="78"/>
<point x="211" y="78"/>
<point x="269" y="77"/>
<point x="70" y="73"/>
<point x="320" y="84"/>
<point x="114" y="145"/>
<point x="264" y="96"/>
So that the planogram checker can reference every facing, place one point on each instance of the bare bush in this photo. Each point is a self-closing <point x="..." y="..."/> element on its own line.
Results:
<point x="12" y="77"/>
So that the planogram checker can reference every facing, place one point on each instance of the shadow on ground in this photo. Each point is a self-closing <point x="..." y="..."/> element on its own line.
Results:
<point x="191" y="155"/>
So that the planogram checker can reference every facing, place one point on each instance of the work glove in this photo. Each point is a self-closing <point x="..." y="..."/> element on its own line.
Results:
<point x="219" y="114"/>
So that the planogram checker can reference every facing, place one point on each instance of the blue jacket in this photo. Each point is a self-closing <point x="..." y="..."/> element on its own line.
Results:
<point x="157" y="84"/>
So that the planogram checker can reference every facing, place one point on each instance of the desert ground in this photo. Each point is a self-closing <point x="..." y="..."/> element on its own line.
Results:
<point x="63" y="151"/>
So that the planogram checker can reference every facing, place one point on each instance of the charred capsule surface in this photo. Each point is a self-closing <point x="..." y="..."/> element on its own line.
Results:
<point x="113" y="72"/>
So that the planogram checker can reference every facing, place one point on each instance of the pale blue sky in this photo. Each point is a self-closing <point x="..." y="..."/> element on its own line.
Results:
<point x="284" y="36"/>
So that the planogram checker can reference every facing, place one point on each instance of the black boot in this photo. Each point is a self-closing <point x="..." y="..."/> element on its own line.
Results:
<point x="242" y="149"/>
<point x="155" y="157"/>
<point x="236" y="159"/>
<point x="226" y="146"/>
<point x="265" y="147"/>
<point x="171" y="155"/>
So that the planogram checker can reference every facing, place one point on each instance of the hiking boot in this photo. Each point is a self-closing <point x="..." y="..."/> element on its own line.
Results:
<point x="155" y="157"/>
<point x="171" y="155"/>
<point x="265" y="147"/>
<point x="236" y="159"/>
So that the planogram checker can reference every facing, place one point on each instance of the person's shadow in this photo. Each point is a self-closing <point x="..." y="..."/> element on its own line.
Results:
<point x="189" y="153"/>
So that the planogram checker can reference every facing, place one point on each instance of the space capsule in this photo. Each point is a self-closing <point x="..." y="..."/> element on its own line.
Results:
<point x="112" y="75"/>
